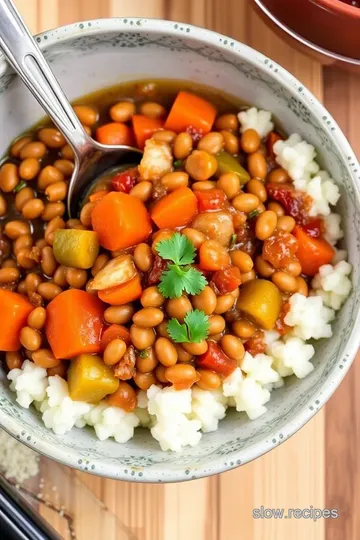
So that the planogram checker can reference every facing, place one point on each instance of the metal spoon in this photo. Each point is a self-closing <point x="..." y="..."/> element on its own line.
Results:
<point x="92" y="159"/>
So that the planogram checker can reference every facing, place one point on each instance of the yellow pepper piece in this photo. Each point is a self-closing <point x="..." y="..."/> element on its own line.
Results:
<point x="260" y="300"/>
<point x="90" y="380"/>
<point x="76" y="248"/>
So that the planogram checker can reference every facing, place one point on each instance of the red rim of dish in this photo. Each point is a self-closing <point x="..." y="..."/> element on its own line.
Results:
<point x="339" y="6"/>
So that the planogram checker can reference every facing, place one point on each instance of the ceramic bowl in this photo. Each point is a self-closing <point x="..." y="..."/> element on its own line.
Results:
<point x="90" y="55"/>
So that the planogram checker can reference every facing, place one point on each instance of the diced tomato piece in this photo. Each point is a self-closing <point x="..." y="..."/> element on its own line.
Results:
<point x="227" y="280"/>
<point x="280" y="249"/>
<point x="211" y="199"/>
<point x="280" y="325"/>
<point x="216" y="360"/>
<point x="256" y="344"/>
<point x="296" y="204"/>
<point x="195" y="134"/>
<point x="124" y="181"/>
<point x="159" y="266"/>
<point x="313" y="227"/>
<point x="271" y="140"/>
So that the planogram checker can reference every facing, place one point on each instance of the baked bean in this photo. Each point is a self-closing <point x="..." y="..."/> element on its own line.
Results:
<point x="17" y="145"/>
<point x="236" y="293"/>
<point x="33" y="209"/>
<point x="87" y="115"/>
<point x="224" y="303"/>
<point x="257" y="187"/>
<point x="178" y="307"/>
<point x="257" y="165"/>
<point x="206" y="300"/>
<point x="151" y="109"/>
<point x="34" y="149"/>
<point x="52" y="210"/>
<point x="216" y="324"/>
<point x="48" y="291"/>
<point x="231" y="142"/>
<point x="144" y="380"/>
<point x="163" y="234"/>
<point x="166" y="352"/>
<point x="160" y="373"/>
<point x="119" y="314"/>
<point x="286" y="224"/>
<point x="14" y="229"/>
<point x="122" y="111"/>
<point x="9" y="263"/>
<point x="162" y="330"/>
<point x="209" y="380"/>
<point x="9" y="177"/>
<point x="49" y="175"/>
<point x="45" y="358"/>
<point x="9" y="275"/>
<point x="65" y="166"/>
<point x="52" y="137"/>
<point x="264" y="268"/>
<point x="230" y="184"/>
<point x="243" y="329"/>
<point x="164" y="135"/>
<point x="284" y="281"/>
<point x="212" y="142"/>
<point x="278" y="176"/>
<point x="60" y="369"/>
<point x="302" y="286"/>
<point x="53" y="225"/>
<point x="203" y="186"/>
<point x="175" y="180"/>
<point x="277" y="208"/>
<point x="183" y="145"/>
<point x="25" y="259"/>
<point x="85" y="214"/>
<point x="201" y="165"/>
<point x="32" y="282"/>
<point x="60" y="276"/>
<point x="227" y="121"/>
<point x="242" y="260"/>
<point x="183" y="375"/>
<point x="250" y="141"/>
<point x="99" y="263"/>
<point x="76" y="277"/>
<point x="183" y="356"/>
<point x="124" y="397"/>
<point x="152" y="297"/>
<point x="245" y="202"/>
<point x="30" y="338"/>
<point x="75" y="224"/>
<point x="233" y="347"/>
<point x="265" y="224"/>
<point x="21" y="288"/>
<point x="56" y="192"/>
<point x="29" y="168"/>
<point x="293" y="268"/>
<point x="196" y="237"/>
<point x="142" y="338"/>
<point x="67" y="152"/>
<point x="248" y="276"/>
<point x="143" y="257"/>
<point x="14" y="360"/>
<point x="3" y="206"/>
<point x="142" y="190"/>
<point x="148" y="317"/>
<point x="22" y="197"/>
<point x="196" y="348"/>
<point x="41" y="243"/>
<point x="146" y="360"/>
<point x="114" y="352"/>
<point x="37" y="318"/>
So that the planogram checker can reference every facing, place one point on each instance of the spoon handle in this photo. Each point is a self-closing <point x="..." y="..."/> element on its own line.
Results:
<point x="29" y="63"/>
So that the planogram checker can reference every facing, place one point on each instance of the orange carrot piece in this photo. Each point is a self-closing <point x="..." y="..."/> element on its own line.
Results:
<point x="74" y="323"/>
<point x="14" y="309"/>
<point x="144" y="128"/>
<point x="121" y="221"/>
<point x="114" y="331"/>
<point x="115" y="133"/>
<point x="190" y="110"/>
<point x="98" y="195"/>
<point x="271" y="140"/>
<point x="312" y="252"/>
<point x="176" y="209"/>
<point x="122" y="294"/>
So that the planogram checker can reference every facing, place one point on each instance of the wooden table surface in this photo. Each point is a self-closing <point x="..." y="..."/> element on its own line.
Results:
<point x="319" y="466"/>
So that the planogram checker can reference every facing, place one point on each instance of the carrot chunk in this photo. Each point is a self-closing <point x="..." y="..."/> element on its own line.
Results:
<point x="144" y="128"/>
<point x="114" y="331"/>
<point x="14" y="309"/>
<point x="189" y="110"/>
<point x="176" y="209"/>
<point x="312" y="252"/>
<point x="122" y="294"/>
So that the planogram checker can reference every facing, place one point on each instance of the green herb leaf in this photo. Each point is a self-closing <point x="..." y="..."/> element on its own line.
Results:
<point x="143" y="354"/>
<point x="253" y="214"/>
<point x="177" y="249"/>
<point x="178" y="163"/>
<point x="171" y="282"/>
<point x="194" y="329"/>
<point x="20" y="186"/>
<point x="233" y="240"/>
<point x="193" y="281"/>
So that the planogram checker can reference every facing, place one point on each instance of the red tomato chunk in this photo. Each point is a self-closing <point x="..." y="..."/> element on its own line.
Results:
<point x="280" y="249"/>
<point x="211" y="199"/>
<point x="256" y="344"/>
<point x="295" y="203"/>
<point x="159" y="266"/>
<point x="216" y="360"/>
<point x="227" y="280"/>
<point x="126" y="180"/>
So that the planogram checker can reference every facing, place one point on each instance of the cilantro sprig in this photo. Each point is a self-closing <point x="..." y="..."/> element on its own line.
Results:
<point x="194" y="329"/>
<point x="179" y="276"/>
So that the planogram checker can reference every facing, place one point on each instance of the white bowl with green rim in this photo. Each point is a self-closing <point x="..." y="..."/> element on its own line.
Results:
<point x="91" y="55"/>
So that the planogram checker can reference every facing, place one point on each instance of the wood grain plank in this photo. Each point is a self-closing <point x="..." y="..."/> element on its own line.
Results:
<point x="342" y="98"/>
<point x="136" y="8"/>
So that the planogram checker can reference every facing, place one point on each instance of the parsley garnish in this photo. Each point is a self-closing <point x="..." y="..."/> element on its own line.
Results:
<point x="253" y="214"/>
<point x="20" y="186"/>
<point x="194" y="329"/>
<point x="233" y="240"/>
<point x="178" y="163"/>
<point x="179" y="277"/>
